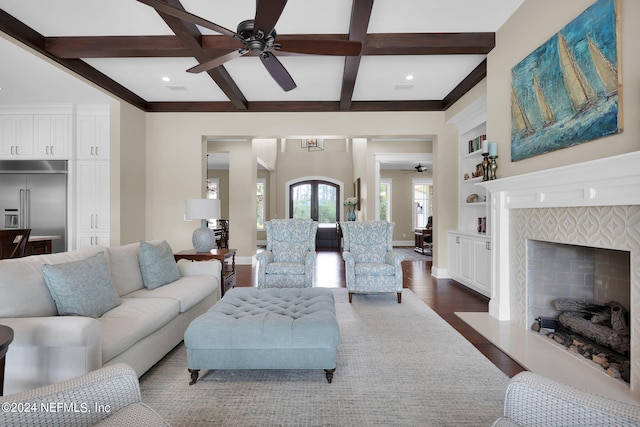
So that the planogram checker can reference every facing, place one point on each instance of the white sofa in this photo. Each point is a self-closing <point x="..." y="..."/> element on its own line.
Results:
<point x="140" y="331"/>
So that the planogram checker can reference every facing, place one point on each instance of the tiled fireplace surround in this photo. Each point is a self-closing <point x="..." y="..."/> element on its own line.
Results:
<point x="594" y="204"/>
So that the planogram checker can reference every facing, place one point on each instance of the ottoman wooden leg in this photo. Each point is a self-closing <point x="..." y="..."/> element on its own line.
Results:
<point x="399" y="297"/>
<point x="194" y="375"/>
<point x="329" y="374"/>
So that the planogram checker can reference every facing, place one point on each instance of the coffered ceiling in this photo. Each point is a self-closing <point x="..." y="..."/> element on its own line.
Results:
<point x="141" y="55"/>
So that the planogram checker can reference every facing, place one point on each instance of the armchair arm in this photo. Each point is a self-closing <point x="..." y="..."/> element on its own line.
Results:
<point x="394" y="258"/>
<point x="46" y="350"/>
<point x="263" y="258"/>
<point x="563" y="405"/>
<point x="349" y="268"/>
<point x="82" y="400"/>
<point x="309" y="264"/>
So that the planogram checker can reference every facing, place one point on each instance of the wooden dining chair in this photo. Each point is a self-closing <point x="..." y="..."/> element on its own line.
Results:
<point x="13" y="242"/>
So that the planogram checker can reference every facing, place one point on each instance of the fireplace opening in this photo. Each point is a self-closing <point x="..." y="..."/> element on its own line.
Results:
<point x="579" y="297"/>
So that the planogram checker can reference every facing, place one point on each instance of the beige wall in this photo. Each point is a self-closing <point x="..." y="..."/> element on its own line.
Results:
<point x="128" y="170"/>
<point x="176" y="168"/>
<point x="533" y="24"/>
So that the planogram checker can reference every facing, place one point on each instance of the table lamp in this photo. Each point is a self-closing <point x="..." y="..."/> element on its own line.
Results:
<point x="204" y="239"/>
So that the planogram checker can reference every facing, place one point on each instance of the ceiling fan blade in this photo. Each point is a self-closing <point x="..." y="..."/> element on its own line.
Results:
<point x="277" y="71"/>
<point x="267" y="14"/>
<point x="216" y="62"/>
<point x="186" y="16"/>
<point x="320" y="47"/>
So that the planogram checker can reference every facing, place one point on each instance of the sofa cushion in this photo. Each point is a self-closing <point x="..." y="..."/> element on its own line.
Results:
<point x="369" y="253"/>
<point x="125" y="268"/>
<point x="157" y="265"/>
<point x="132" y="321"/>
<point x="82" y="288"/>
<point x="187" y="291"/>
<point x="24" y="293"/>
<point x="285" y="268"/>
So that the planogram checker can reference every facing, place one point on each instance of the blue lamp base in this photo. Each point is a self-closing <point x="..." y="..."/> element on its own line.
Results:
<point x="204" y="239"/>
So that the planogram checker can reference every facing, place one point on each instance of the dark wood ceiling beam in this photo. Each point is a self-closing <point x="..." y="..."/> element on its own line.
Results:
<point x="475" y="77"/>
<point x="429" y="44"/>
<point x="294" y="106"/>
<point x="191" y="37"/>
<point x="36" y="41"/>
<point x="360" y="16"/>
<point x="116" y="47"/>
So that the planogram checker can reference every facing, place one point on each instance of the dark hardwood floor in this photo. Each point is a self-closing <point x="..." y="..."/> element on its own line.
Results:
<point x="444" y="296"/>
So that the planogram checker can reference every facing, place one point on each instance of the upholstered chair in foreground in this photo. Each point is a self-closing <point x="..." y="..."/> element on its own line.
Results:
<point x="371" y="264"/>
<point x="109" y="396"/>
<point x="536" y="401"/>
<point x="290" y="257"/>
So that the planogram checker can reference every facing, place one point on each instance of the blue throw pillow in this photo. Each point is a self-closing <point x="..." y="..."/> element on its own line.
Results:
<point x="157" y="265"/>
<point x="82" y="288"/>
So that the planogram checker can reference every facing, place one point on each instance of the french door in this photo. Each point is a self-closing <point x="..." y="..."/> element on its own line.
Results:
<point x="318" y="200"/>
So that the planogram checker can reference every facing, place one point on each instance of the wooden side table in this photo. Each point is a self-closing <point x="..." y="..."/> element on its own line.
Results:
<point x="226" y="256"/>
<point x="6" y="336"/>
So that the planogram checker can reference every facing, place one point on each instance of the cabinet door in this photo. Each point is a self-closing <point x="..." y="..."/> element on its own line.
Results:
<point x="60" y="140"/>
<point x="482" y="251"/>
<point x="103" y="139"/>
<point x="101" y="195"/>
<point x="85" y="187"/>
<point x="16" y="136"/>
<point x="92" y="137"/>
<point x="466" y="259"/>
<point x="42" y="135"/>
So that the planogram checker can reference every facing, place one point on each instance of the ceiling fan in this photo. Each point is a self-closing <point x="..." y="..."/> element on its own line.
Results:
<point x="258" y="37"/>
<point x="421" y="168"/>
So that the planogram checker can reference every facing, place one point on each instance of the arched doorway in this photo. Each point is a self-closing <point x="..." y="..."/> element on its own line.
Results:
<point x="319" y="200"/>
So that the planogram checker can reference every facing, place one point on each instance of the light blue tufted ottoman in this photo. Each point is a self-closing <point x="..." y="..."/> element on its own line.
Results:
<point x="273" y="328"/>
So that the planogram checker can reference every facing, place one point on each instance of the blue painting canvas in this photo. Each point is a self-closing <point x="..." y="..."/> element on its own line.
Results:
<point x="566" y="92"/>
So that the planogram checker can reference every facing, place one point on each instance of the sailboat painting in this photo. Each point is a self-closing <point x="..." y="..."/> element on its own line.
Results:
<point x="567" y="91"/>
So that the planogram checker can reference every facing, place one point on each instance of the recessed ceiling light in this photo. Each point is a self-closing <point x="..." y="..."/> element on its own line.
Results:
<point x="166" y="79"/>
<point x="409" y="77"/>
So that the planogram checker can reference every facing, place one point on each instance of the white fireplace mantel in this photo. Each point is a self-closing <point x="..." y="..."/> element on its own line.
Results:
<point x="610" y="181"/>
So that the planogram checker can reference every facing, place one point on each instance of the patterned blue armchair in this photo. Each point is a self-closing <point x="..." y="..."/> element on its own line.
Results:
<point x="371" y="264"/>
<point x="290" y="257"/>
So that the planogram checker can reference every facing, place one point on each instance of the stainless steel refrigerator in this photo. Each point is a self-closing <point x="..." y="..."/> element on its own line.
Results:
<point x="33" y="194"/>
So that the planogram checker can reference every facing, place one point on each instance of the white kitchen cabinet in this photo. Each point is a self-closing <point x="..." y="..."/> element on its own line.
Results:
<point x="16" y="136"/>
<point x="92" y="136"/>
<point x="92" y="201"/>
<point x="52" y="135"/>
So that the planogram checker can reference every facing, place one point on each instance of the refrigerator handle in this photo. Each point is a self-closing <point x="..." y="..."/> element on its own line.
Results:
<point x="27" y="211"/>
<point x="21" y="216"/>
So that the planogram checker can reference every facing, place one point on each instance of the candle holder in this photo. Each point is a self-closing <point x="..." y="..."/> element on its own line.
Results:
<point x="485" y="166"/>
<point x="492" y="167"/>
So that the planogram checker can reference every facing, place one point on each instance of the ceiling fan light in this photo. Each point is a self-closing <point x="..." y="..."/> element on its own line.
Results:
<point x="312" y="144"/>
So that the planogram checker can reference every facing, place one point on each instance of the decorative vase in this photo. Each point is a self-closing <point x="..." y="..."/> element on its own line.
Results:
<point x="351" y="215"/>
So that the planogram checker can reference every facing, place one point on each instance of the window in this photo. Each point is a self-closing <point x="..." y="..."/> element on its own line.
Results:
<point x="213" y="188"/>
<point x="385" y="200"/>
<point x="260" y="202"/>
<point x="422" y="202"/>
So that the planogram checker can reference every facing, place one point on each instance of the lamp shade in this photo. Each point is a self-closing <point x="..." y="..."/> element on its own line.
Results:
<point x="202" y="208"/>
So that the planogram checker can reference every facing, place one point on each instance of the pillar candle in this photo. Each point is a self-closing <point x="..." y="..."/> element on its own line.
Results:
<point x="485" y="146"/>
<point x="493" y="149"/>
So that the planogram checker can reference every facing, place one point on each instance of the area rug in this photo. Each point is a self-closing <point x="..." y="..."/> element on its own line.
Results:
<point x="398" y="365"/>
<point x="411" y="255"/>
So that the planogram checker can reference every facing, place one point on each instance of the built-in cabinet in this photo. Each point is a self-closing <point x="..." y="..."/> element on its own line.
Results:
<point x="36" y="133"/>
<point x="52" y="136"/>
<point x="92" y="176"/>
<point x="79" y="134"/>
<point x="469" y="247"/>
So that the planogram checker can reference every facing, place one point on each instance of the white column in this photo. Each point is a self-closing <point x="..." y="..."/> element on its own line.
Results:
<point x="499" y="306"/>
